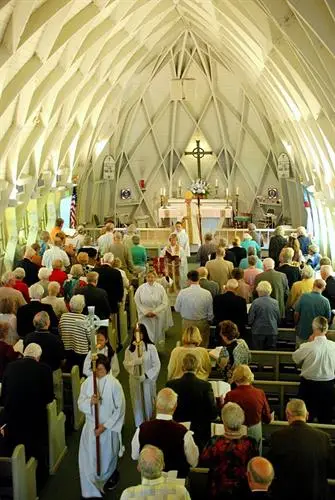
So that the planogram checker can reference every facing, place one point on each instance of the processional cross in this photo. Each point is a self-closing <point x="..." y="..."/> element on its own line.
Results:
<point x="198" y="152"/>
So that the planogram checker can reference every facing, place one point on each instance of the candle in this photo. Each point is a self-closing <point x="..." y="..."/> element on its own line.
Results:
<point x="216" y="183"/>
<point x="237" y="190"/>
<point x="179" y="183"/>
<point x="164" y="192"/>
<point x="227" y="193"/>
<point x="161" y="191"/>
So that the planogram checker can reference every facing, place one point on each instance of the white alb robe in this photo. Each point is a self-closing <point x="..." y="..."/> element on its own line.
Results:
<point x="143" y="407"/>
<point x="153" y="298"/>
<point x="111" y="414"/>
<point x="183" y="241"/>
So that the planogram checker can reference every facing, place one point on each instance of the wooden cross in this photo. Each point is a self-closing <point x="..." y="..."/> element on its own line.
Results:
<point x="198" y="153"/>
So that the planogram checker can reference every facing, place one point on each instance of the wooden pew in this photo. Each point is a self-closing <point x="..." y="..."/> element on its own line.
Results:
<point x="285" y="339"/>
<point x="71" y="384"/>
<point x="132" y="308"/>
<point x="278" y="393"/>
<point x="274" y="365"/>
<point x="56" y="432"/>
<point x="18" y="477"/>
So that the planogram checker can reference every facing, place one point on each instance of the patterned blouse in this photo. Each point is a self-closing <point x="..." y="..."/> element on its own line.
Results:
<point x="228" y="459"/>
<point x="232" y="355"/>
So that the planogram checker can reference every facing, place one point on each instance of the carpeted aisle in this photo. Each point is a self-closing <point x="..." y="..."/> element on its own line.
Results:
<point x="65" y="484"/>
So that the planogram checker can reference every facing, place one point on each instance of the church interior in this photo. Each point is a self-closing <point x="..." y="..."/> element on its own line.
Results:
<point x="143" y="113"/>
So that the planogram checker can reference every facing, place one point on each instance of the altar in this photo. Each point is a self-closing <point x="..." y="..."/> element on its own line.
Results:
<point x="214" y="214"/>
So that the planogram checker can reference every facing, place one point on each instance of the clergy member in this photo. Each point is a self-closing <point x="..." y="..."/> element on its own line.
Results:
<point x="183" y="238"/>
<point x="175" y="262"/>
<point x="143" y="365"/>
<point x="153" y="309"/>
<point x="111" y="417"/>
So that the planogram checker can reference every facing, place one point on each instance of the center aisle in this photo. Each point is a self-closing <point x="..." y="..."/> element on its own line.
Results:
<point x="65" y="484"/>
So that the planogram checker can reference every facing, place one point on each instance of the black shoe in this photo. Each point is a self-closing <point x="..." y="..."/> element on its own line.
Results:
<point x="113" y="481"/>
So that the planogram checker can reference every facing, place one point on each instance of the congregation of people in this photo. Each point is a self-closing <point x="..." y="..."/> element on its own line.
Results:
<point x="232" y="302"/>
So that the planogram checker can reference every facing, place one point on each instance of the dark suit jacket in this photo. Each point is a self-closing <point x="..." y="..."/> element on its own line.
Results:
<point x="329" y="291"/>
<point x="27" y="388"/>
<point x="95" y="297"/>
<point x="196" y="404"/>
<point x="276" y="245"/>
<point x="26" y="314"/>
<point x="292" y="273"/>
<point x="303" y="459"/>
<point x="230" y="306"/>
<point x="211" y="286"/>
<point x="230" y="256"/>
<point x="31" y="270"/>
<point x="239" y="253"/>
<point x="53" y="351"/>
<point x="110" y="280"/>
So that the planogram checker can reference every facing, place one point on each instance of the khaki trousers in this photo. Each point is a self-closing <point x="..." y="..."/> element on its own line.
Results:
<point x="203" y="326"/>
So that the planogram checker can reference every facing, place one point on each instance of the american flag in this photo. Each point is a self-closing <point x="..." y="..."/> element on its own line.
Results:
<point x="73" y="208"/>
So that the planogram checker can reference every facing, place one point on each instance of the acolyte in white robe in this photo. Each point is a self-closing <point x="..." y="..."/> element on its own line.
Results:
<point x="153" y="298"/>
<point x="183" y="241"/>
<point x="111" y="415"/>
<point x="143" y="406"/>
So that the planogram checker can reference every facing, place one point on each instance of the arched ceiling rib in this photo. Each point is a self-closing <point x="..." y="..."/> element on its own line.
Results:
<point x="74" y="74"/>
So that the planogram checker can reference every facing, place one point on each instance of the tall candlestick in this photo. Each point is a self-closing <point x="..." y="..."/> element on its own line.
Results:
<point x="227" y="193"/>
<point x="179" y="183"/>
<point x="216" y="183"/>
<point x="237" y="190"/>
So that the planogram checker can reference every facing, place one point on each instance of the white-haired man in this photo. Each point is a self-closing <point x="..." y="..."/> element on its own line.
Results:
<point x="308" y="307"/>
<point x="264" y="318"/>
<point x="302" y="457"/>
<point x="154" y="485"/>
<point x="303" y="239"/>
<point x="175" y="441"/>
<point x="31" y="269"/>
<point x="20" y="285"/>
<point x="7" y="290"/>
<point x="317" y="360"/>
<point x="55" y="253"/>
<point x="278" y="282"/>
<point x="277" y="243"/>
<point x="27" y="388"/>
<point x="95" y="296"/>
<point x="327" y="274"/>
<point x="25" y="314"/>
<point x="204" y="282"/>
<point x="230" y="306"/>
<point x="106" y="240"/>
<point x="110" y="280"/>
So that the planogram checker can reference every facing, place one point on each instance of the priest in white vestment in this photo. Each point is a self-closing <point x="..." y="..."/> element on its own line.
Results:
<point x="143" y="372"/>
<point x="176" y="262"/>
<point x="153" y="309"/>
<point x="111" y="418"/>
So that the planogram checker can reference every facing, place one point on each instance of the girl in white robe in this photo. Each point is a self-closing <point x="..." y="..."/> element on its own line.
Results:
<point x="153" y="309"/>
<point x="103" y="347"/>
<point x="143" y="373"/>
<point x="176" y="270"/>
<point x="111" y="417"/>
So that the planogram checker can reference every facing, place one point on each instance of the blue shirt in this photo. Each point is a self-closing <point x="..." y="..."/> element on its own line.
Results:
<point x="250" y="243"/>
<point x="309" y="306"/>
<point x="244" y="263"/>
<point x="264" y="316"/>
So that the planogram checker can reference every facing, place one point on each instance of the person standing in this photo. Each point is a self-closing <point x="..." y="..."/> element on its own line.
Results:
<point x="317" y="360"/>
<point x="27" y="388"/>
<point x="260" y="475"/>
<point x="143" y="372"/>
<point x="55" y="253"/>
<point x="207" y="284"/>
<point x="59" y="223"/>
<point x="112" y="409"/>
<point x="308" y="307"/>
<point x="153" y="309"/>
<point x="20" y="285"/>
<point x="300" y="287"/>
<point x="110" y="280"/>
<point x="121" y="251"/>
<point x="239" y="251"/>
<point x="206" y="250"/>
<point x="106" y="240"/>
<point x="195" y="306"/>
<point x="30" y="268"/>
<point x="229" y="306"/>
<point x="95" y="296"/>
<point x="25" y="314"/>
<point x="175" y="441"/>
<point x="7" y="290"/>
<point x="264" y="318"/>
<point x="139" y="255"/>
<point x="277" y="243"/>
<point x="249" y="242"/>
<point x="287" y="267"/>
<point x="219" y="270"/>
<point x="196" y="403"/>
<point x="302" y="457"/>
<point x="175" y="260"/>
<point x="182" y="237"/>
<point x="303" y="239"/>
<point x="103" y="347"/>
<point x="327" y="274"/>
<point x="278" y="282"/>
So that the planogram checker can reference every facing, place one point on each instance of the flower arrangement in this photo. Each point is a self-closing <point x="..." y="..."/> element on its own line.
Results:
<point x="200" y="187"/>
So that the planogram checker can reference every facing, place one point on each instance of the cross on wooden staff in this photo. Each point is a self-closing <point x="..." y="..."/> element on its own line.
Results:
<point x="198" y="152"/>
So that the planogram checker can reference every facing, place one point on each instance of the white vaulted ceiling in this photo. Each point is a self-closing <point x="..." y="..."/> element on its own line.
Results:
<point x="83" y="78"/>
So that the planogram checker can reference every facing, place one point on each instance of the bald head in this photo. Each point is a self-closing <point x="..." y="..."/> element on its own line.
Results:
<point x="203" y="273"/>
<point x="151" y="462"/>
<point x="260" y="473"/>
<point x="319" y="285"/>
<point x="166" y="401"/>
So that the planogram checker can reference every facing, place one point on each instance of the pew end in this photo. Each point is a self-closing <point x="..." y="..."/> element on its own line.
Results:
<point x="56" y="435"/>
<point x="18" y="477"/>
